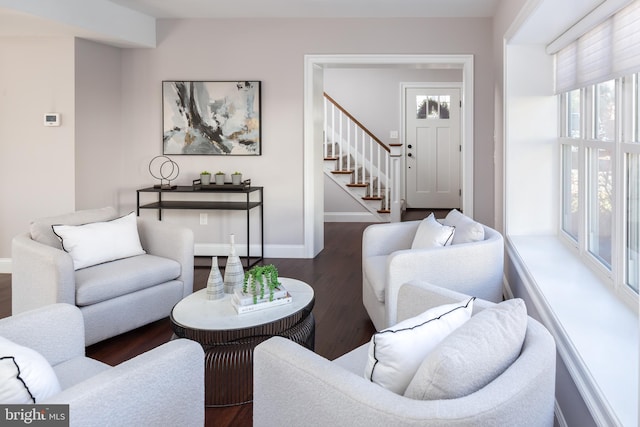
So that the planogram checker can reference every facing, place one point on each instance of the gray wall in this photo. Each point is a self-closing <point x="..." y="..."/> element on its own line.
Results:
<point x="100" y="145"/>
<point x="37" y="163"/>
<point x="270" y="50"/>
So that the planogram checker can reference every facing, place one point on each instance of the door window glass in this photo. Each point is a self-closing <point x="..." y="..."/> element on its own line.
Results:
<point x="433" y="106"/>
<point x="421" y="103"/>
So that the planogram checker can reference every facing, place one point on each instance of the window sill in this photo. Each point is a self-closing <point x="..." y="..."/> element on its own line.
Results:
<point x="596" y="334"/>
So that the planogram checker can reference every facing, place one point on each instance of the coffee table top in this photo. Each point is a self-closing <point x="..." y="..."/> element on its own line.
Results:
<point x="197" y="312"/>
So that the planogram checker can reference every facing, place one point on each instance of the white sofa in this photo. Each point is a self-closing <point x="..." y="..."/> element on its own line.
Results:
<point x="114" y="297"/>
<point x="162" y="387"/>
<point x="294" y="386"/>
<point x="474" y="268"/>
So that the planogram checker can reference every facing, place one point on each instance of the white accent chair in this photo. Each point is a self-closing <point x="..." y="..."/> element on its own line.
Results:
<point x="295" y="386"/>
<point x="162" y="387"/>
<point x="114" y="297"/>
<point x="388" y="261"/>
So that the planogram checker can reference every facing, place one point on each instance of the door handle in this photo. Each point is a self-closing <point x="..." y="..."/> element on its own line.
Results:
<point x="409" y="155"/>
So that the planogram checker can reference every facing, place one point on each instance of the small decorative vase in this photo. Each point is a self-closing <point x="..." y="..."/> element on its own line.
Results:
<point x="236" y="178"/>
<point x="215" y="285"/>
<point x="205" y="179"/>
<point x="219" y="179"/>
<point x="233" y="272"/>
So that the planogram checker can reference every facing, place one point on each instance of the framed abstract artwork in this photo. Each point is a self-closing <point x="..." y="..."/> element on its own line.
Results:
<point x="211" y="118"/>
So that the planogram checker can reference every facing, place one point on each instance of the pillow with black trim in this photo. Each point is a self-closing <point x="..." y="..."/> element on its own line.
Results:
<point x="99" y="242"/>
<point x="395" y="353"/>
<point x="432" y="234"/>
<point x="473" y="355"/>
<point x="467" y="230"/>
<point x="25" y="375"/>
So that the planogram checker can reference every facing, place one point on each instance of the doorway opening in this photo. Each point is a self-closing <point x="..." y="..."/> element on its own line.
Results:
<point x="313" y="185"/>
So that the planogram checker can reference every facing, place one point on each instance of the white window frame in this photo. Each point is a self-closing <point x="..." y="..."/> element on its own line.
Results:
<point x="623" y="144"/>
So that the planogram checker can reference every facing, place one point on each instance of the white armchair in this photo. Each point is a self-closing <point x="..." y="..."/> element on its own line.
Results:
<point x="162" y="387"/>
<point x="295" y="386"/>
<point x="474" y="268"/>
<point x="114" y="297"/>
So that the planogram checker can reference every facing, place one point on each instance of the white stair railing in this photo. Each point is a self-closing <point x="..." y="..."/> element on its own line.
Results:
<point x="354" y="145"/>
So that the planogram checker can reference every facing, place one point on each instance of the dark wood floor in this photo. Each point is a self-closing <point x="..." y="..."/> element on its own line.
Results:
<point x="341" y="321"/>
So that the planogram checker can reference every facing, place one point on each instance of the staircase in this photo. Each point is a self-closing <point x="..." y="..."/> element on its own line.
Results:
<point x="356" y="160"/>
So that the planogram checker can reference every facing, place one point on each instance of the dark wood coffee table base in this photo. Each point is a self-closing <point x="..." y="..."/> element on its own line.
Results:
<point x="229" y="353"/>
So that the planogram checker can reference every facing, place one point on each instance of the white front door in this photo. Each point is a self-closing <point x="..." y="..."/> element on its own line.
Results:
<point x="432" y="147"/>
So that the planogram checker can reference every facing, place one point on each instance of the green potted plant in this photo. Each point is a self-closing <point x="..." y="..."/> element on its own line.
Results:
<point x="205" y="177"/>
<point x="219" y="178"/>
<point x="236" y="178"/>
<point x="260" y="281"/>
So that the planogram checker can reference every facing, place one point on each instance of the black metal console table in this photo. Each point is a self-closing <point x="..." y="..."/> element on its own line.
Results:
<point x="247" y="204"/>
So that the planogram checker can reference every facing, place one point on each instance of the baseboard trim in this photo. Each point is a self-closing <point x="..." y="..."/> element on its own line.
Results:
<point x="5" y="265"/>
<point x="560" y="421"/>
<point x="350" y="217"/>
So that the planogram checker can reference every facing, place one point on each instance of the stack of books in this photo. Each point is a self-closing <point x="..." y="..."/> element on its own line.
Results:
<point x="244" y="302"/>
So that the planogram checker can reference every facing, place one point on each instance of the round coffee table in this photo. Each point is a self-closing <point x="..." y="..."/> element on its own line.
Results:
<point x="228" y="338"/>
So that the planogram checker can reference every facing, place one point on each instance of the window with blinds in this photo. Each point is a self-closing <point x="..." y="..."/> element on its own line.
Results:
<point x="609" y="51"/>
<point x="597" y="80"/>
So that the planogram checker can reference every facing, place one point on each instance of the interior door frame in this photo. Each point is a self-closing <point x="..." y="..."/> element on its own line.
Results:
<point x="403" y="126"/>
<point x="313" y="178"/>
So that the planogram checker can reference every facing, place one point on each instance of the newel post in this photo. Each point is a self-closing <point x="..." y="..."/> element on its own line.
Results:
<point x="396" y="201"/>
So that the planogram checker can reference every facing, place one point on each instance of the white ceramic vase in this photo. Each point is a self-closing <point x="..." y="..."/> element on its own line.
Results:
<point x="233" y="271"/>
<point x="215" y="285"/>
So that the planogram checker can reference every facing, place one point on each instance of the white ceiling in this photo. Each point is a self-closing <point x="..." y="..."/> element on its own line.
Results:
<point x="554" y="17"/>
<point x="78" y="17"/>
<point x="106" y="20"/>
<point x="311" y="8"/>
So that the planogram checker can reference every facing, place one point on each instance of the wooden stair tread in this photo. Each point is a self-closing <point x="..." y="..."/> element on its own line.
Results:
<point x="359" y="173"/>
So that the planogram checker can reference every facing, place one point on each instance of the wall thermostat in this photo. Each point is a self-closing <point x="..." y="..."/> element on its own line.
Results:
<point x="52" y="119"/>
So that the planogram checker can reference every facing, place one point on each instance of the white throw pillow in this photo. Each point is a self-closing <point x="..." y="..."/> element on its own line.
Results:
<point x="25" y="375"/>
<point x="432" y="234"/>
<point x="396" y="353"/>
<point x="467" y="230"/>
<point x="100" y="242"/>
<point x="473" y="355"/>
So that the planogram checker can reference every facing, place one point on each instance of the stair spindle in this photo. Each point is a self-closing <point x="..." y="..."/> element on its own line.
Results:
<point x="368" y="169"/>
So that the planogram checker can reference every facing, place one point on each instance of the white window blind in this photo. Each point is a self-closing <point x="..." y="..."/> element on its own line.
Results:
<point x="610" y="50"/>
<point x="626" y="40"/>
